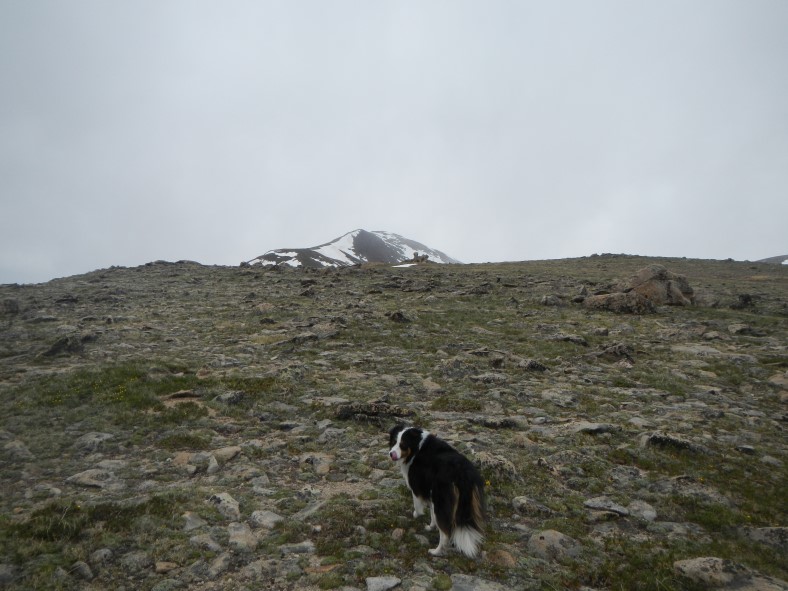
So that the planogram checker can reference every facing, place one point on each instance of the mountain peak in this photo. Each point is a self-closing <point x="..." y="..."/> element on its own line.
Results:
<point x="354" y="248"/>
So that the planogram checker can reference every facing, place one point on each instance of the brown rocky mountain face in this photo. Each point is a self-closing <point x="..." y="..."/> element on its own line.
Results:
<point x="178" y="426"/>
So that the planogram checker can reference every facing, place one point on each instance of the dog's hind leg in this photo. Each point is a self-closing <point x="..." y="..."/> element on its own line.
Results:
<point x="433" y="521"/>
<point x="443" y="545"/>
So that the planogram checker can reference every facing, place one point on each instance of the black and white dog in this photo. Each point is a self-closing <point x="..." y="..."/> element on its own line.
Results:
<point x="442" y="478"/>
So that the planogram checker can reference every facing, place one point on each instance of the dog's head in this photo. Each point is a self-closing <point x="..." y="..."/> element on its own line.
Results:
<point x="404" y="442"/>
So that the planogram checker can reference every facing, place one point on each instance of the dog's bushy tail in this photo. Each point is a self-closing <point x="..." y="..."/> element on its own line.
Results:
<point x="468" y="531"/>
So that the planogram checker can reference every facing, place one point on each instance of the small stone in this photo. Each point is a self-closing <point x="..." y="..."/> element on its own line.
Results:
<point x="193" y="521"/>
<point x="18" y="450"/>
<point x="552" y="545"/>
<point x="772" y="461"/>
<point x="605" y="504"/>
<point x="382" y="583"/>
<point x="528" y="506"/>
<point x="213" y="465"/>
<point x="241" y="537"/>
<point x="205" y="542"/>
<point x="226" y="505"/>
<point x="219" y="565"/>
<point x="642" y="510"/>
<point x="502" y="558"/>
<point x="592" y="428"/>
<point x="775" y="537"/>
<point x="100" y="557"/>
<point x="470" y="583"/>
<point x="226" y="454"/>
<point x="91" y="442"/>
<point x="96" y="478"/>
<point x="82" y="570"/>
<point x="266" y="519"/>
<point x="168" y="585"/>
<point x="7" y="573"/>
<point x="162" y="568"/>
<point x="307" y="547"/>
<point x="136" y="562"/>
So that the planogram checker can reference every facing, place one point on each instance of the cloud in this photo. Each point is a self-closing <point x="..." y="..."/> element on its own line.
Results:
<point x="169" y="130"/>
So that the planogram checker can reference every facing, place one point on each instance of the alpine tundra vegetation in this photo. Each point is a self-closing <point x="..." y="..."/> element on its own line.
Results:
<point x="180" y="426"/>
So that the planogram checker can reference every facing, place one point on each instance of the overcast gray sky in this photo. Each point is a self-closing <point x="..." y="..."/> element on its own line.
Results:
<point x="495" y="130"/>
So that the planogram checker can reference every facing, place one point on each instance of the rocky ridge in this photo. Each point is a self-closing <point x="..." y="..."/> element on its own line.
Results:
<point x="177" y="426"/>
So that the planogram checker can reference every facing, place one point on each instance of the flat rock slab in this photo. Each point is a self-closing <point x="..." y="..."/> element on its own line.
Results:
<point x="96" y="478"/>
<point x="606" y="504"/>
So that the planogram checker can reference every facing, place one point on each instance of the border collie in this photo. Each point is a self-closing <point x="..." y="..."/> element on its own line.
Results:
<point x="442" y="478"/>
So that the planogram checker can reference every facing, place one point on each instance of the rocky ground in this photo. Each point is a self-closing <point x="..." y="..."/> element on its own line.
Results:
<point x="177" y="426"/>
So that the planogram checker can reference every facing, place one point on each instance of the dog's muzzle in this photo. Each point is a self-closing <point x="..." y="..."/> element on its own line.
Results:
<point x="393" y="455"/>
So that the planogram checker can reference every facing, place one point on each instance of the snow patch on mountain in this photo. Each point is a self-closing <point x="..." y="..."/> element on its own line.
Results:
<point x="353" y="248"/>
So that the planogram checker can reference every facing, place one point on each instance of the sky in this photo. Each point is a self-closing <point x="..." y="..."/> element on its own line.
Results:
<point x="503" y="130"/>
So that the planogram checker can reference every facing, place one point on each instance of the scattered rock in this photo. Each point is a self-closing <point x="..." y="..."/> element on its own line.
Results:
<point x="18" y="451"/>
<point x="498" y="466"/>
<point x="552" y="545"/>
<point x="226" y="505"/>
<point x="662" y="439"/>
<point x="266" y="519"/>
<point x="82" y="570"/>
<point x="306" y="547"/>
<point x="621" y="303"/>
<point x="642" y="510"/>
<point x="605" y="504"/>
<point x="660" y="286"/>
<point x="726" y="575"/>
<point x="96" y="478"/>
<point x="593" y="428"/>
<point x="100" y="557"/>
<point x="382" y="583"/>
<point x="241" y="537"/>
<point x="528" y="506"/>
<point x="136" y="562"/>
<point x="774" y="537"/>
<point x="470" y="583"/>
<point x="193" y="521"/>
<point x="91" y="442"/>
<point x="380" y="413"/>
<point x="206" y="542"/>
<point x="226" y="454"/>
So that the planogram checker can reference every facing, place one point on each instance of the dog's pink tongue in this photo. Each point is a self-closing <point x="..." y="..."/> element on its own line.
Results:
<point x="393" y="456"/>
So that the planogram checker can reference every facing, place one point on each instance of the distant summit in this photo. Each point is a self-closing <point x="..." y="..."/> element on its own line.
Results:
<point x="777" y="260"/>
<point x="356" y="247"/>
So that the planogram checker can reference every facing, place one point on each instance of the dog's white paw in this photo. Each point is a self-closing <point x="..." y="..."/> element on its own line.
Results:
<point x="418" y="513"/>
<point x="436" y="552"/>
<point x="429" y="527"/>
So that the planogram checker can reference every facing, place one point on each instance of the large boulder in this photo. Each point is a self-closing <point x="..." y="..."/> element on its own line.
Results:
<point x="660" y="286"/>
<point x="620" y="303"/>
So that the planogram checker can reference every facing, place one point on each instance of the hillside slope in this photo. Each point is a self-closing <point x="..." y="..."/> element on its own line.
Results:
<point x="177" y="426"/>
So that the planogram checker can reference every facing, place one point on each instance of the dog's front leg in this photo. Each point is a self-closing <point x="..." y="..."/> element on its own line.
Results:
<point x="418" y="507"/>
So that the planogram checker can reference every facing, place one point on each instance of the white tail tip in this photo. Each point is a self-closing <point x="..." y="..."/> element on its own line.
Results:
<point x="467" y="540"/>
